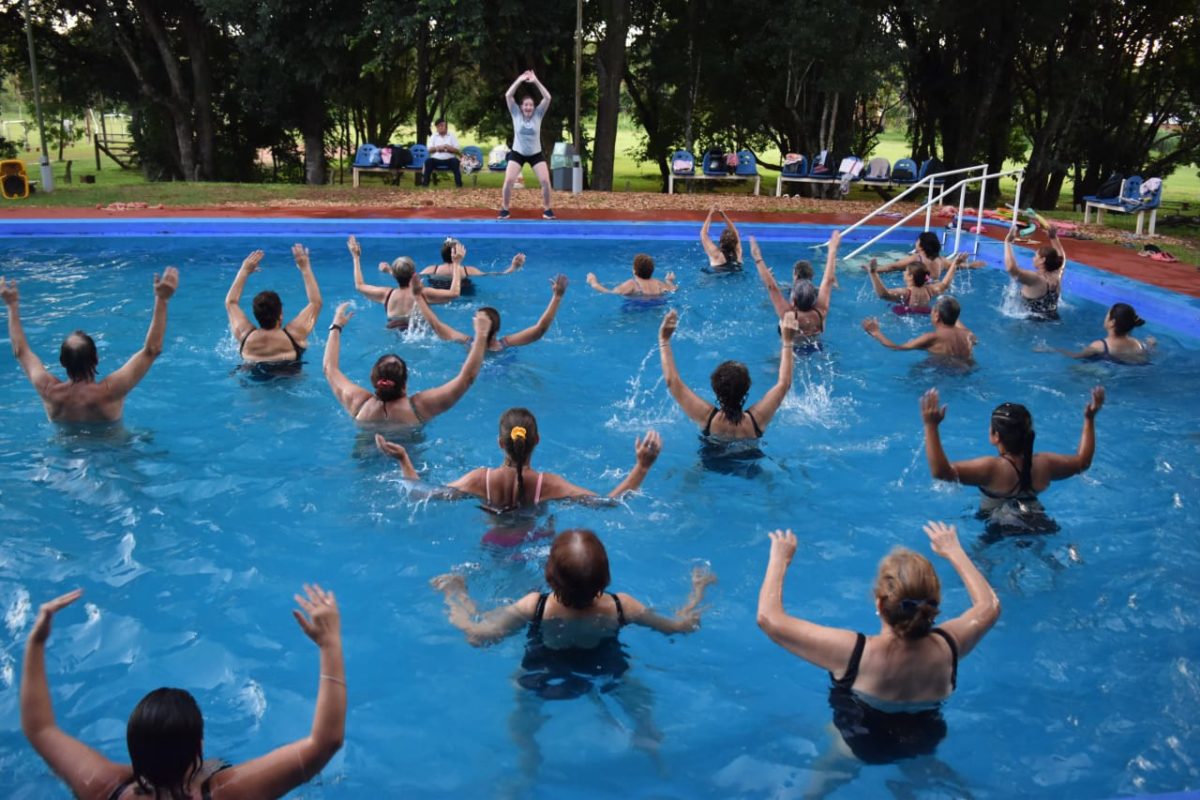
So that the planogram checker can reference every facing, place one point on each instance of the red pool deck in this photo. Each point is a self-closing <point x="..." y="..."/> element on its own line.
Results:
<point x="1181" y="278"/>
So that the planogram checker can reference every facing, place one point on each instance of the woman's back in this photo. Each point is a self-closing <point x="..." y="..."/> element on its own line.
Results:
<point x="906" y="671"/>
<point x="275" y="344"/>
<point x="562" y="627"/>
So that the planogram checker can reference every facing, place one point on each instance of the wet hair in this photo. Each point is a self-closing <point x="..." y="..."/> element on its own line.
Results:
<point x="448" y="248"/>
<point x="920" y="277"/>
<point x="1050" y="258"/>
<point x="165" y="736"/>
<point x="731" y="383"/>
<point x="908" y="592"/>
<point x="518" y="437"/>
<point x="1124" y="319"/>
<point x="643" y="266"/>
<point x="268" y="309"/>
<point x="728" y="243"/>
<point x="403" y="270"/>
<point x="804" y="295"/>
<point x="494" y="317"/>
<point x="802" y="270"/>
<point x="930" y="244"/>
<point x="1013" y="425"/>
<point x="947" y="309"/>
<point x="577" y="569"/>
<point x="78" y="357"/>
<point x="389" y="376"/>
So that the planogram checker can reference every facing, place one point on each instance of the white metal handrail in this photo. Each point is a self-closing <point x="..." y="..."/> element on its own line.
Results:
<point x="961" y="187"/>
<point x="930" y="179"/>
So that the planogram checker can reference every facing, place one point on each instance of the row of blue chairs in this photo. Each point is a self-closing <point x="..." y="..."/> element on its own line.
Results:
<point x="820" y="166"/>
<point x="419" y="154"/>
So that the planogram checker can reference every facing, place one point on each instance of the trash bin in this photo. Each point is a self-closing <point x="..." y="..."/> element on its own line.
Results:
<point x="576" y="175"/>
<point x="560" y="166"/>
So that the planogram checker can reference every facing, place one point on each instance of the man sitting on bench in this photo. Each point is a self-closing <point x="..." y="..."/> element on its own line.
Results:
<point x="443" y="154"/>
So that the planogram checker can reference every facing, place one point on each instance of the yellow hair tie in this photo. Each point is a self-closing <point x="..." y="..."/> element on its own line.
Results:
<point x="517" y="433"/>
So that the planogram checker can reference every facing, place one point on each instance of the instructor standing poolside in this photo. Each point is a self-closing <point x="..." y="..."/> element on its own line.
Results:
<point x="81" y="398"/>
<point x="527" y="142"/>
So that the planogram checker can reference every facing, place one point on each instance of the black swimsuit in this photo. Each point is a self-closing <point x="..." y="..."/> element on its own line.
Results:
<point x="266" y="370"/>
<point x="881" y="737"/>
<point x="1044" y="307"/>
<point x="399" y="322"/>
<point x="435" y="280"/>
<point x="205" y="787"/>
<point x="566" y="673"/>
<point x="715" y="411"/>
<point x="1015" y="512"/>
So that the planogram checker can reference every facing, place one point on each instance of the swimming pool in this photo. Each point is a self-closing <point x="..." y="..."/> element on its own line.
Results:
<point x="192" y="526"/>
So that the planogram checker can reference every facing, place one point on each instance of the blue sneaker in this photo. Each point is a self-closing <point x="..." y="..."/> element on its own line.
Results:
<point x="503" y="214"/>
<point x="548" y="214"/>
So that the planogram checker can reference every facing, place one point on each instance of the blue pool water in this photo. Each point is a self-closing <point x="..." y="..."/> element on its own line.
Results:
<point x="191" y="527"/>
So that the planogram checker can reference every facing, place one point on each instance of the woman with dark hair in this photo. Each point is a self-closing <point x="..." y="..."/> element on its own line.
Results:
<point x="389" y="402"/>
<point x="572" y="648"/>
<point x="399" y="300"/>
<point x="1010" y="482"/>
<point x="527" y="142"/>
<point x="454" y="253"/>
<point x="643" y="284"/>
<point x="1118" y="345"/>
<point x="919" y="289"/>
<point x="496" y="343"/>
<point x="887" y="689"/>
<point x="514" y="484"/>
<point x="1041" y="287"/>
<point x="272" y="342"/>
<point x="728" y="419"/>
<point x="726" y="254"/>
<point x="809" y="304"/>
<point x="165" y="733"/>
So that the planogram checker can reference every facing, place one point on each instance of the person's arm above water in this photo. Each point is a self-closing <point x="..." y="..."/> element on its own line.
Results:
<point x="1094" y="349"/>
<point x="121" y="382"/>
<point x="558" y="287"/>
<point x="829" y="648"/>
<point x="284" y="768"/>
<point x="87" y="773"/>
<point x="782" y="306"/>
<point x="441" y="329"/>
<point x="376" y="293"/>
<point x="696" y="408"/>
<point x="1062" y="465"/>
<point x="685" y="620"/>
<point x="969" y="627"/>
<point x="894" y="295"/>
<point x="518" y="261"/>
<point x="975" y="472"/>
<point x="895" y="266"/>
<point x="398" y="452"/>
<point x="829" y="277"/>
<point x="303" y="323"/>
<point x="942" y="286"/>
<point x="348" y="393"/>
<point x="434" y="401"/>
<point x="1056" y="243"/>
<point x="646" y="450"/>
<point x="1025" y="277"/>
<point x="710" y="248"/>
<point x="669" y="284"/>
<point x="439" y="296"/>
<point x="487" y="628"/>
<point x="35" y="370"/>
<point x="922" y="342"/>
<point x="764" y="410"/>
<point x="239" y="324"/>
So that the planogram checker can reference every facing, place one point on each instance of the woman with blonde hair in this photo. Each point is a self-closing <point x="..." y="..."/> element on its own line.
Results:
<point x="887" y="689"/>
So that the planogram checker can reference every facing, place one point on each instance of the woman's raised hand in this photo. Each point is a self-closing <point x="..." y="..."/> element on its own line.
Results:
<point x="40" y="631"/>
<point x="783" y="546"/>
<point x="251" y="262"/>
<point x="931" y="412"/>
<point x="669" y="324"/>
<point x="323" y="622"/>
<point x="1096" y="403"/>
<point x="943" y="538"/>
<point x="558" y="284"/>
<point x="340" y="316"/>
<point x="647" y="448"/>
<point x="353" y="246"/>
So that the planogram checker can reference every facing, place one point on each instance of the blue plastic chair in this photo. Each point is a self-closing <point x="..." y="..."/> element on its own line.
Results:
<point x="677" y="159"/>
<point x="830" y="174"/>
<point x="747" y="164"/>
<point x="879" y="170"/>
<point x="905" y="164"/>
<point x="473" y="150"/>
<point x="714" y="162"/>
<point x="800" y="170"/>
<point x="419" y="153"/>
<point x="930" y="166"/>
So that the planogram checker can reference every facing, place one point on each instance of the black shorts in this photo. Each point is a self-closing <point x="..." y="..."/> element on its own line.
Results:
<point x="520" y="160"/>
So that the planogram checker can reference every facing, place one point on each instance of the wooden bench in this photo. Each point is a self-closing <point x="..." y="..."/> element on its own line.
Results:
<point x="699" y="176"/>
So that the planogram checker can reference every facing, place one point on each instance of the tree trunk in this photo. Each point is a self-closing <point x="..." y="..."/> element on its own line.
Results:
<point x="610" y="67"/>
<point x="421" y="87"/>
<point x="313" y="130"/>
<point x="202" y="104"/>
<point x="178" y="103"/>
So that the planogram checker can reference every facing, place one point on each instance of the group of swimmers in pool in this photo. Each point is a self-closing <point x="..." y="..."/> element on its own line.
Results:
<point x="886" y="688"/>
